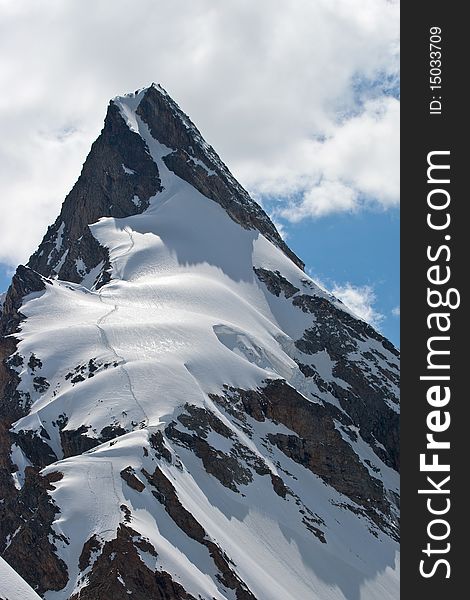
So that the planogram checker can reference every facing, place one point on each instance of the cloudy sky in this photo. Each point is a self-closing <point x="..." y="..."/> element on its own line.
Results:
<point x="299" y="98"/>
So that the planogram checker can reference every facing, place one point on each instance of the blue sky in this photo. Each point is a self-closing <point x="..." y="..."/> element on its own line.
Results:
<point x="4" y="278"/>
<point x="355" y="249"/>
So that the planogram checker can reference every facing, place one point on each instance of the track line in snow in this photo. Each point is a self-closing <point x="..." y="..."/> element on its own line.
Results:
<point x="120" y="359"/>
<point x="98" y="520"/>
<point x="105" y="339"/>
<point x="128" y="230"/>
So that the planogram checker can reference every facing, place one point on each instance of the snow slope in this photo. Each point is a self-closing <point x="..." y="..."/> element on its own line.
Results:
<point x="12" y="586"/>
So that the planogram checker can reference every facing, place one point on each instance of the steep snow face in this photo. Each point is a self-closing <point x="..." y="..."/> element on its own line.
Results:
<point x="12" y="586"/>
<point x="132" y="391"/>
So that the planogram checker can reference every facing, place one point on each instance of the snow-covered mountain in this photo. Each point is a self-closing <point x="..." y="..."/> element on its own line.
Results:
<point x="185" y="413"/>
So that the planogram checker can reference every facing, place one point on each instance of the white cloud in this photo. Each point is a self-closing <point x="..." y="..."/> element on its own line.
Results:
<point x="320" y="200"/>
<point x="357" y="166"/>
<point x="396" y="311"/>
<point x="361" y="300"/>
<point x="271" y="84"/>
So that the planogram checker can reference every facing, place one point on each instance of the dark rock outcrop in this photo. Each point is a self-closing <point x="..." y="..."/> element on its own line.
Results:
<point x="38" y="451"/>
<point x="276" y="283"/>
<point x="157" y="443"/>
<point x="24" y="282"/>
<point x="315" y="442"/>
<point x="336" y="329"/>
<point x="378" y="422"/>
<point x="75" y="441"/>
<point x="25" y="524"/>
<point x="224" y="467"/>
<point x="369" y="397"/>
<point x="14" y="404"/>
<point x="104" y="189"/>
<point x="368" y="400"/>
<point x="118" y="573"/>
<point x="128" y="474"/>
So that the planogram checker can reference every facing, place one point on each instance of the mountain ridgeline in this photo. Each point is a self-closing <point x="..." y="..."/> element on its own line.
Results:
<point x="185" y="414"/>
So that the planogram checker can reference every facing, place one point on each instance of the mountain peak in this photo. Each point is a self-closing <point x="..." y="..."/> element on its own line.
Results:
<point x="139" y="93"/>
<point x="120" y="178"/>
<point x="194" y="160"/>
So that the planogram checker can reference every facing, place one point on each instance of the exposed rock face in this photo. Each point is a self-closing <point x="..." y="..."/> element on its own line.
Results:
<point x="76" y="441"/>
<point x="227" y="469"/>
<point x="240" y="466"/>
<point x="25" y="525"/>
<point x="192" y="477"/>
<point x="119" y="572"/>
<point x="14" y="404"/>
<point x="315" y="442"/>
<point x="25" y="281"/>
<point x="276" y="283"/>
<point x="117" y="180"/>
<point x="340" y="334"/>
<point x="371" y="378"/>
<point x="129" y="477"/>
<point x="327" y="324"/>
<point x="35" y="447"/>
<point x="7" y="486"/>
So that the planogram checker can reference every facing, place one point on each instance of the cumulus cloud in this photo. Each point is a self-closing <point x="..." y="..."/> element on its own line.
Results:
<point x="361" y="300"/>
<point x="322" y="199"/>
<point x="356" y="167"/>
<point x="396" y="311"/>
<point x="288" y="93"/>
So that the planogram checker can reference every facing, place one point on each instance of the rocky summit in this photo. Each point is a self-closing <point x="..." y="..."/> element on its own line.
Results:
<point x="185" y="414"/>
